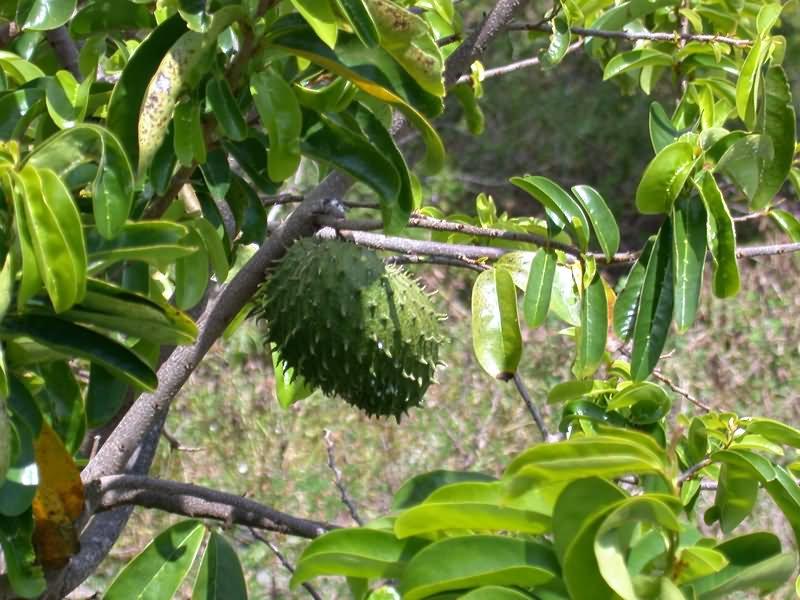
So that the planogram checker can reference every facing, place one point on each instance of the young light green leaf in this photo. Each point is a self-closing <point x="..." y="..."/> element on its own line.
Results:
<point x="699" y="561"/>
<point x="279" y="112"/>
<point x="66" y="99"/>
<point x="213" y="245"/>
<point x="688" y="258"/>
<point x="603" y="222"/>
<point x="721" y="238"/>
<point x="664" y="178"/>
<point x="654" y="313"/>
<point x="289" y="387"/>
<point x="189" y="143"/>
<point x="56" y="235"/>
<point x="43" y="15"/>
<point x="496" y="336"/>
<point x="559" y="41"/>
<point x="495" y="592"/>
<point x="469" y="561"/>
<point x="157" y="572"/>
<point x="593" y="331"/>
<point x="737" y="492"/>
<point x="319" y="15"/>
<point x="775" y="431"/>
<point x="540" y="286"/>
<point x="220" y="576"/>
<point x="155" y="242"/>
<point x="747" y="86"/>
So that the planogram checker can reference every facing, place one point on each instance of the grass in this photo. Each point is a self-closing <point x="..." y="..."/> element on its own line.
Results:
<point x="742" y="355"/>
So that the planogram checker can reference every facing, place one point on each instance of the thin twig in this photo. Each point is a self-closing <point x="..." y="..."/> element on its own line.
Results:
<point x="284" y="561"/>
<point x="347" y="500"/>
<point x="679" y="390"/>
<point x="175" y="443"/>
<point x="515" y="66"/>
<point x="693" y="470"/>
<point x="537" y="417"/>
<point x="448" y="261"/>
<point x="656" y="36"/>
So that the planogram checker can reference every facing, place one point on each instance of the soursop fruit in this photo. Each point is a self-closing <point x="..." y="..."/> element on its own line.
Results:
<point x="352" y="325"/>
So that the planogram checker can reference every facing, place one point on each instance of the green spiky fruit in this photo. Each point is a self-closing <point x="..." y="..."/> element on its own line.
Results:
<point x="351" y="325"/>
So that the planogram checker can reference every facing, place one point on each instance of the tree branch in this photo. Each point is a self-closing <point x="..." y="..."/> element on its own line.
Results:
<point x="516" y="66"/>
<point x="657" y="36"/>
<point x="337" y="479"/>
<point x="537" y="416"/>
<point x="285" y="562"/>
<point x="196" y="501"/>
<point x="65" y="49"/>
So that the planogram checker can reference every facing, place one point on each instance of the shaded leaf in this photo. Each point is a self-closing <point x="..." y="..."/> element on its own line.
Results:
<point x="496" y="336"/>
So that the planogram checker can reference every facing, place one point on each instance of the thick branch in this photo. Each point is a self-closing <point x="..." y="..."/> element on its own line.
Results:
<point x="65" y="49"/>
<point x="197" y="502"/>
<point x="658" y="36"/>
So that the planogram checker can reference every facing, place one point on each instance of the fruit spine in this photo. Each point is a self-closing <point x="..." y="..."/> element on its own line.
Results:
<point x="352" y="325"/>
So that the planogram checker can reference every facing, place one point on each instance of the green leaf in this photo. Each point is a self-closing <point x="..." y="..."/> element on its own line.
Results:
<point x="319" y="15"/>
<point x="469" y="561"/>
<point x="592" y="334"/>
<point x="157" y="571"/>
<point x="560" y="206"/>
<point x="280" y="114"/>
<point x="611" y="545"/>
<point x="775" y="431"/>
<point x="129" y="91"/>
<point x="473" y="505"/>
<point x="418" y="488"/>
<point x="767" y="16"/>
<point x="213" y="245"/>
<point x="56" y="235"/>
<point x="189" y="143"/>
<point x="496" y="336"/>
<point x="43" y="15"/>
<point x="603" y="222"/>
<point x="395" y="214"/>
<point x="595" y="456"/>
<point x="289" y="387"/>
<point x="575" y="389"/>
<point x="66" y="99"/>
<point x="688" y="258"/>
<point x="697" y="446"/>
<point x="112" y="188"/>
<point x="155" y="242"/>
<point x="647" y="402"/>
<point x="191" y="274"/>
<point x="16" y="106"/>
<point x="60" y="398"/>
<point x="367" y="553"/>
<point x="636" y="59"/>
<point x="220" y="576"/>
<point x="24" y="573"/>
<point x="494" y="592"/>
<point x="749" y="82"/>
<point x="22" y="478"/>
<point x="375" y="76"/>
<point x="578" y="502"/>
<point x="654" y="313"/>
<point x="777" y="122"/>
<point x="662" y="131"/>
<point x="225" y="109"/>
<point x="721" y="238"/>
<point x="737" y="492"/>
<point x="664" y="178"/>
<point x="559" y="41"/>
<point x="104" y="396"/>
<point x="73" y="340"/>
<point x="627" y="304"/>
<point x="787" y="222"/>
<point x="248" y="211"/>
<point x="108" y="16"/>
<point x="698" y="561"/>
<point x="540" y="286"/>
<point x="5" y="442"/>
<point x="360" y="19"/>
<point x="348" y="150"/>
<point x="111" y="307"/>
<point x="754" y="562"/>
<point x="622" y="14"/>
